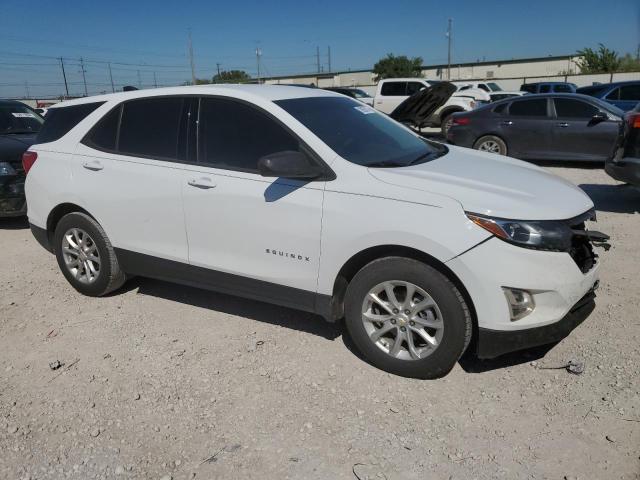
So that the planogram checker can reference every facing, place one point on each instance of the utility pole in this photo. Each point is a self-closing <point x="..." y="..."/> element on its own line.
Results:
<point x="139" y="81"/>
<point x="318" y="58"/>
<point x="218" y="67"/>
<point x="193" y="65"/>
<point x="258" y="55"/>
<point x="26" y="88"/>
<point x="329" y="58"/>
<point x="155" y="80"/>
<point x="84" y="77"/>
<point x="64" y="76"/>
<point x="449" y="50"/>
<point x="113" y="88"/>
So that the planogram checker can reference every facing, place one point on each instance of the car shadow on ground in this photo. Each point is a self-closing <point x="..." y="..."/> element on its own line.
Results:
<point x="470" y="363"/>
<point x="241" y="307"/>
<point x="619" y="198"/>
<point x="14" y="223"/>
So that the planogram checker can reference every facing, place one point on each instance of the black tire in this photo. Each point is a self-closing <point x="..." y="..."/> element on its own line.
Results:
<point x="445" y="123"/>
<point x="109" y="277"/>
<point x="502" y="146"/>
<point x="455" y="314"/>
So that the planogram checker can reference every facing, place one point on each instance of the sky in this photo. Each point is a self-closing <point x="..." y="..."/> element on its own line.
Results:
<point x="143" y="38"/>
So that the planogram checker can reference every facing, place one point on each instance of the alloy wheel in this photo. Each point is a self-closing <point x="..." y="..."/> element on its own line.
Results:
<point x="489" y="146"/>
<point x="402" y="320"/>
<point x="81" y="255"/>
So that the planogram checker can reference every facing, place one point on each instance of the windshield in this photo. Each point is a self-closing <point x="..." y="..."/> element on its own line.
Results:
<point x="359" y="133"/>
<point x="360" y="93"/>
<point x="494" y="87"/>
<point x="17" y="118"/>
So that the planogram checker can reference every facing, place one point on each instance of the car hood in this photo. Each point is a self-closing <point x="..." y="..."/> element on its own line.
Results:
<point x="492" y="185"/>
<point x="13" y="146"/>
<point x="416" y="109"/>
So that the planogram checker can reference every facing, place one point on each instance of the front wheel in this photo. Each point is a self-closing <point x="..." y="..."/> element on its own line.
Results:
<point x="407" y="318"/>
<point x="85" y="255"/>
<point x="491" y="144"/>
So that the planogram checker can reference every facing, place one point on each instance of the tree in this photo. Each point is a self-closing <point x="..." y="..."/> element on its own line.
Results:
<point x="629" y="63"/>
<point x="602" y="60"/>
<point x="231" y="76"/>
<point x="395" y="67"/>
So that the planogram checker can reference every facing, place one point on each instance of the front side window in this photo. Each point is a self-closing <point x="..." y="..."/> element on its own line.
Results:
<point x="545" y="88"/>
<point x="568" y="108"/>
<point x="61" y="120"/>
<point x="614" y="94"/>
<point x="360" y="134"/>
<point x="235" y="136"/>
<point x="630" y="93"/>
<point x="393" y="89"/>
<point x="561" y="88"/>
<point x="149" y="127"/>
<point x="529" y="108"/>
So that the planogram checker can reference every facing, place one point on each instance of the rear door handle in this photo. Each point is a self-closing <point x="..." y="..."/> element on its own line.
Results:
<point x="562" y="125"/>
<point x="93" y="165"/>
<point x="507" y="123"/>
<point x="202" y="182"/>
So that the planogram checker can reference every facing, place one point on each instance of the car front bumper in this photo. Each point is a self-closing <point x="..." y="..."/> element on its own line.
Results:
<point x="557" y="284"/>
<point x="624" y="170"/>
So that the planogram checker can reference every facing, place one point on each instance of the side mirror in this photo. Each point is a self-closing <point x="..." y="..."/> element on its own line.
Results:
<point x="288" y="164"/>
<point x="599" y="117"/>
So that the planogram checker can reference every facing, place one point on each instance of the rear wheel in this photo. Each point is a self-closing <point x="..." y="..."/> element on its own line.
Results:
<point x="446" y="123"/>
<point x="407" y="318"/>
<point x="85" y="255"/>
<point x="491" y="144"/>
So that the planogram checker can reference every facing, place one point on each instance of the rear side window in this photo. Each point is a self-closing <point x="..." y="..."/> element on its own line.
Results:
<point x="568" y="108"/>
<point x="560" y="88"/>
<point x="614" y="95"/>
<point x="103" y="135"/>
<point x="630" y="92"/>
<point x="234" y="136"/>
<point x="545" y="88"/>
<point x="393" y="89"/>
<point x="528" y="87"/>
<point x="149" y="127"/>
<point x="529" y="108"/>
<point x="59" y="121"/>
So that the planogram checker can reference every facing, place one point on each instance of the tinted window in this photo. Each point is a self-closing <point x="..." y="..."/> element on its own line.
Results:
<point x="614" y="95"/>
<point x="103" y="135"/>
<point x="18" y="118"/>
<point x="545" y="88"/>
<point x="149" y="127"/>
<point x="500" y="108"/>
<point x="568" y="108"/>
<point x="630" y="92"/>
<point x="359" y="133"/>
<point x="234" y="135"/>
<point x="391" y="89"/>
<point x="528" y="87"/>
<point x="482" y="86"/>
<point x="61" y="120"/>
<point x="594" y="91"/>
<point x="560" y="88"/>
<point x="529" y="108"/>
<point x="414" y="87"/>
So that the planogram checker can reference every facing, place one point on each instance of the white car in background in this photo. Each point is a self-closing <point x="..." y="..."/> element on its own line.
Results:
<point x="310" y="199"/>
<point x="391" y="92"/>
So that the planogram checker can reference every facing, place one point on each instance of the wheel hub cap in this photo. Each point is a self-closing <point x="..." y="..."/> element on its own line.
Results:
<point x="81" y="255"/>
<point x="402" y="320"/>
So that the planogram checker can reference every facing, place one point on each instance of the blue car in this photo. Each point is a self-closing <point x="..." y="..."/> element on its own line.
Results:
<point x="624" y="95"/>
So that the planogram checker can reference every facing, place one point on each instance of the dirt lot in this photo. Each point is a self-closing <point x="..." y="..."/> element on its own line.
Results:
<point x="167" y="382"/>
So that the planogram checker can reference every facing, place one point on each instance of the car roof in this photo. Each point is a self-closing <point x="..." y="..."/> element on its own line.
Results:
<point x="530" y="96"/>
<point x="548" y="83"/>
<point x="249" y="91"/>
<point x="612" y="84"/>
<point x="8" y="103"/>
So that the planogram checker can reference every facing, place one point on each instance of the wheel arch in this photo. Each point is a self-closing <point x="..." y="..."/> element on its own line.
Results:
<point x="366" y="256"/>
<point x="449" y="110"/>
<point x="491" y="134"/>
<point x="57" y="213"/>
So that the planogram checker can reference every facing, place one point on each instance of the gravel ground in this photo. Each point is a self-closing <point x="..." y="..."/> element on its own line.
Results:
<point x="167" y="382"/>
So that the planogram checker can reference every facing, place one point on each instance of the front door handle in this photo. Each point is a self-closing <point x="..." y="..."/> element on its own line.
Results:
<point x="202" y="182"/>
<point x="93" y="165"/>
<point x="562" y="125"/>
<point x="507" y="123"/>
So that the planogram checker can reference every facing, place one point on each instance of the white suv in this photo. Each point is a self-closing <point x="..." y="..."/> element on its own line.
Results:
<point x="312" y="200"/>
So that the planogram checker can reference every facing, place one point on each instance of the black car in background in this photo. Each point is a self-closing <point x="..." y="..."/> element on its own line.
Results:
<point x="19" y="125"/>
<point x="624" y="164"/>
<point x="356" y="93"/>
<point x="541" y="127"/>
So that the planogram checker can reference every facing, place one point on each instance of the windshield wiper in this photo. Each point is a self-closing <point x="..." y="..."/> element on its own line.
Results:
<point x="385" y="164"/>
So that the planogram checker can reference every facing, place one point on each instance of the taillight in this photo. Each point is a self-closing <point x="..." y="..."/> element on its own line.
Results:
<point x="634" y="120"/>
<point x="28" y="159"/>
<point x="461" y="120"/>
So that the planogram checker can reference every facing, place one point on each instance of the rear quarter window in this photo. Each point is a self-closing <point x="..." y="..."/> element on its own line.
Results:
<point x="59" y="121"/>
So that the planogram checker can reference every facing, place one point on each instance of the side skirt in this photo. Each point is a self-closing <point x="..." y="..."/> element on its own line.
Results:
<point x="177" y="272"/>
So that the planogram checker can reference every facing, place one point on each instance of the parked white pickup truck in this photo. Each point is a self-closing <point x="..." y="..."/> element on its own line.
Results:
<point x="391" y="92"/>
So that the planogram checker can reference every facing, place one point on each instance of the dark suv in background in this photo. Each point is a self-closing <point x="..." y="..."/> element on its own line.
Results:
<point x="548" y="87"/>
<point x="624" y="95"/>
<point x="19" y="125"/>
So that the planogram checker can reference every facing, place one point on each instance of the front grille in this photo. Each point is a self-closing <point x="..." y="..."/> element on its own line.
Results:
<point x="581" y="248"/>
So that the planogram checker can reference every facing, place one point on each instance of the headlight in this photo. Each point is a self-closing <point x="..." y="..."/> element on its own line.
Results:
<point x="537" y="234"/>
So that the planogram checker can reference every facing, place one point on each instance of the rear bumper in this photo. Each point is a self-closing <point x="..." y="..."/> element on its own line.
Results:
<point x="13" y="206"/>
<point x="460" y="136"/>
<point x="492" y="343"/>
<point x="625" y="170"/>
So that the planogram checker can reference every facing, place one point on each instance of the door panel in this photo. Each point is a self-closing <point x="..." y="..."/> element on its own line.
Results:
<point x="527" y="129"/>
<point x="390" y="96"/>
<point x="137" y="201"/>
<point x="248" y="225"/>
